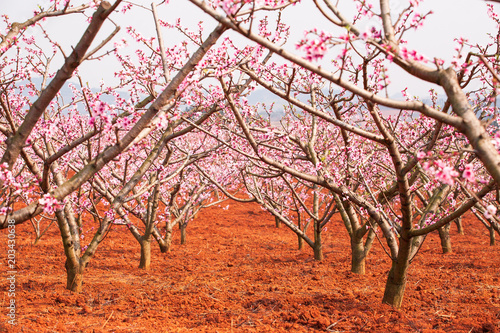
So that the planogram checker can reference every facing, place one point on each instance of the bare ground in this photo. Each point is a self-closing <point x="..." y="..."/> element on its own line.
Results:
<point x="239" y="273"/>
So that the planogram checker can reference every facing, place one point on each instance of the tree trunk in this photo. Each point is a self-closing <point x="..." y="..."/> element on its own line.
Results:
<point x="318" y="251"/>
<point x="492" y="236"/>
<point x="318" y="245"/>
<point x="74" y="277"/>
<point x="459" y="225"/>
<point x="73" y="265"/>
<point x="145" y="254"/>
<point x="183" y="234"/>
<point x="168" y="241"/>
<point x="444" y="235"/>
<point x="396" y="280"/>
<point x="301" y="242"/>
<point x="357" y="257"/>
<point x="395" y="286"/>
<point x="277" y="221"/>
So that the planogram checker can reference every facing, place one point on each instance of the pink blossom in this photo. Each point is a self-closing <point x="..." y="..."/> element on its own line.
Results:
<point x="496" y="140"/>
<point x="446" y="175"/>
<point x="468" y="173"/>
<point x="412" y="55"/>
<point x="315" y="48"/>
<point x="50" y="204"/>
<point x="490" y="211"/>
<point x="5" y="210"/>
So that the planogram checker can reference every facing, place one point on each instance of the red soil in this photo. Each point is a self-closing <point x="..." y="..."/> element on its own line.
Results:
<point x="239" y="273"/>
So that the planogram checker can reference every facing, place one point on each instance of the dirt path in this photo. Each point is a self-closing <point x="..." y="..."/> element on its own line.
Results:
<point x="239" y="273"/>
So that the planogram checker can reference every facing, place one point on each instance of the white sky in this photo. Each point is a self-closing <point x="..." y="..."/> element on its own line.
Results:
<point x="451" y="19"/>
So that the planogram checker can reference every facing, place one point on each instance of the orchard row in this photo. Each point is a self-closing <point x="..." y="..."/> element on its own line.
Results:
<point x="176" y="133"/>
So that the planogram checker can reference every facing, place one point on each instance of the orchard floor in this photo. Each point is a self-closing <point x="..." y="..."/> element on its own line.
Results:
<point x="239" y="273"/>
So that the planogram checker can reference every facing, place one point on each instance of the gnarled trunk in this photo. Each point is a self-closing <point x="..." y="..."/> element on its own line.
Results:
<point x="183" y="234"/>
<point x="318" y="252"/>
<point x="74" y="277"/>
<point x="301" y="242"/>
<point x="145" y="262"/>
<point x="318" y="245"/>
<point x="358" y="257"/>
<point x="396" y="280"/>
<point x="277" y="221"/>
<point x="396" y="285"/>
<point x="167" y="244"/>
<point x="492" y="235"/>
<point x="460" y="227"/>
<point x="444" y="235"/>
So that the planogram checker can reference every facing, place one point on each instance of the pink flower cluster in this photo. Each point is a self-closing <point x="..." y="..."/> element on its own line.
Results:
<point x="372" y="32"/>
<point x="412" y="55"/>
<point x="6" y="175"/>
<point x="315" y="48"/>
<point x="468" y="173"/>
<point x="496" y="140"/>
<point x="444" y="173"/>
<point x="490" y="211"/>
<point x="50" y="204"/>
<point x="231" y="6"/>
<point x="365" y="9"/>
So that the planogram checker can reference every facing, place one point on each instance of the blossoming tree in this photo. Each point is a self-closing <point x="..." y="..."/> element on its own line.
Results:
<point x="91" y="140"/>
<point x="394" y="177"/>
<point x="361" y="63"/>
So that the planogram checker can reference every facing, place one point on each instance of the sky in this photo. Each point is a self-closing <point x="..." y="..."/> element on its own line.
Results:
<point x="450" y="19"/>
